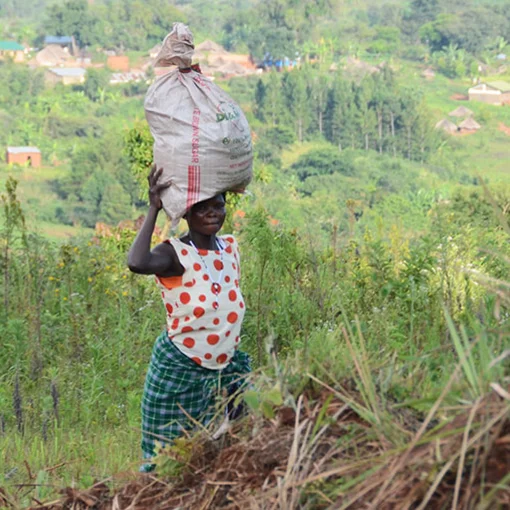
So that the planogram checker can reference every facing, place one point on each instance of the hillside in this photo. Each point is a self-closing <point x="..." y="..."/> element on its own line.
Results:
<point x="374" y="250"/>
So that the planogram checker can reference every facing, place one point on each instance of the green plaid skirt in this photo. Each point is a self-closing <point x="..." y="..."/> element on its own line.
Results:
<point x="177" y="389"/>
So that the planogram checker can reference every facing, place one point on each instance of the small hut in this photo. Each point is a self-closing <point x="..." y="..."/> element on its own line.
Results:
<point x="461" y="111"/>
<point x="53" y="56"/>
<point x="469" y="125"/>
<point x="447" y="126"/>
<point x="210" y="46"/>
<point x="30" y="156"/>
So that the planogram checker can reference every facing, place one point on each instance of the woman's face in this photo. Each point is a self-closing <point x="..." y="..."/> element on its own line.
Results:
<point x="207" y="217"/>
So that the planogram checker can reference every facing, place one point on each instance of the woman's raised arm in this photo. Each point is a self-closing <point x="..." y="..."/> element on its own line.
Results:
<point x="162" y="260"/>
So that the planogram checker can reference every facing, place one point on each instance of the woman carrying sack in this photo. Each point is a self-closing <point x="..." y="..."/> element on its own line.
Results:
<point x="197" y="356"/>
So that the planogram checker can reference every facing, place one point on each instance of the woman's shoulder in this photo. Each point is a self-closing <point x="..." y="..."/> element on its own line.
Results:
<point x="169" y="248"/>
<point x="229" y="239"/>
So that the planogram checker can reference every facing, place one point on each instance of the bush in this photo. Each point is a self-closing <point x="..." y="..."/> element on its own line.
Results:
<point x="324" y="162"/>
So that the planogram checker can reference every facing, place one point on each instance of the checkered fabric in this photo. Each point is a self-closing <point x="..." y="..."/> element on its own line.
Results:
<point x="175" y="380"/>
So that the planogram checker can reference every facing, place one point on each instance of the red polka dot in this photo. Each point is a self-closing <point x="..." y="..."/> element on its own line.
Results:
<point x="197" y="266"/>
<point x="222" y="358"/>
<point x="233" y="266"/>
<point x="213" y="339"/>
<point x="227" y="333"/>
<point x="229" y="239"/>
<point x="202" y="298"/>
<point x="217" y="252"/>
<point x="186" y="319"/>
<point x="215" y="305"/>
<point x="185" y="298"/>
<point x="189" y="342"/>
<point x="198" y="361"/>
<point x="206" y="277"/>
<point x="232" y="317"/>
<point x="227" y="279"/>
<point x="218" y="264"/>
<point x="216" y="321"/>
<point x="208" y="355"/>
<point x="175" y="324"/>
<point x="241" y="304"/>
<point x="228" y="249"/>
<point x="215" y="288"/>
<point x="202" y="252"/>
<point x="187" y="329"/>
<point x="169" y="308"/>
<point x="237" y="339"/>
<point x="236" y="283"/>
<point x="232" y="295"/>
<point x="184" y="252"/>
<point x="198" y="312"/>
<point x="191" y="283"/>
<point x="162" y="294"/>
<point x="202" y="328"/>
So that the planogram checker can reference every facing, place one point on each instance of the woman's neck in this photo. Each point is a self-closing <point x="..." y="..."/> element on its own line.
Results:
<point x="202" y="242"/>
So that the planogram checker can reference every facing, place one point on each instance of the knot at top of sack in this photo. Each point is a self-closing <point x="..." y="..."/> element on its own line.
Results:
<point x="177" y="48"/>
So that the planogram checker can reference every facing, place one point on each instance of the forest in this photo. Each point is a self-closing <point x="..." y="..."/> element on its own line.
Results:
<point x="374" y="253"/>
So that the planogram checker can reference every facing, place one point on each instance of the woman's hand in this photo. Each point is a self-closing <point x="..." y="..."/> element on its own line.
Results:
<point x="155" y="189"/>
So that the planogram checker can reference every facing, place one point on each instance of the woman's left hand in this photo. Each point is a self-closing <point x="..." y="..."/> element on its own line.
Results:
<point x="155" y="189"/>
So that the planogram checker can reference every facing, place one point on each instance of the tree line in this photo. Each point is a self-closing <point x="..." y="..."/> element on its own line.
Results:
<point x="374" y="114"/>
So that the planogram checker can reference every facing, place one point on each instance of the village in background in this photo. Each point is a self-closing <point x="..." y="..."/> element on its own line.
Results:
<point x="320" y="83"/>
<point x="67" y="64"/>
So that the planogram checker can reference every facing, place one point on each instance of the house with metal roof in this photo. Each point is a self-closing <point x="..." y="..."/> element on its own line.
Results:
<point x="64" y="41"/>
<point x="30" y="156"/>
<point x="493" y="92"/>
<point x="12" y="49"/>
<point x="65" y="75"/>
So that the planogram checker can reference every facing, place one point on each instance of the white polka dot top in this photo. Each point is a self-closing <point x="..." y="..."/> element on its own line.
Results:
<point x="205" y="307"/>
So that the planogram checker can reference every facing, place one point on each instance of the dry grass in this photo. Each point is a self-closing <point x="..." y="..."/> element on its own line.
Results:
<point x="324" y="454"/>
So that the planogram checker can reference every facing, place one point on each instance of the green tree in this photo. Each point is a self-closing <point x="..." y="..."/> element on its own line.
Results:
<point x="366" y="118"/>
<point x="73" y="18"/>
<point x="294" y="87"/>
<point x="323" y="162"/>
<point x="318" y="84"/>
<point x="273" y="109"/>
<point x="115" y="204"/>
<point x="340" y="127"/>
<point x="19" y="85"/>
<point x="96" y="83"/>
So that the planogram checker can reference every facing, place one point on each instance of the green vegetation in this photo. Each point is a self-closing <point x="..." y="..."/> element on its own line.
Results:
<point x="375" y="256"/>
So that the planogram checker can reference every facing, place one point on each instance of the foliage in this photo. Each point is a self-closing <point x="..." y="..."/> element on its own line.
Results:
<point x="19" y="85"/>
<point x="375" y="114"/>
<point x="323" y="162"/>
<point x="95" y="84"/>
<point x="127" y="24"/>
<point x="78" y="325"/>
<point x="138" y="147"/>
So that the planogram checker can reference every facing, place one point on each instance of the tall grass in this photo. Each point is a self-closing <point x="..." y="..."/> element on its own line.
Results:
<point x="379" y="322"/>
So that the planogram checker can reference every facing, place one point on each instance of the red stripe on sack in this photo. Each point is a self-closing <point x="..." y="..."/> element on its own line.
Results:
<point x="197" y="188"/>
<point x="193" y="185"/>
<point x="194" y="169"/>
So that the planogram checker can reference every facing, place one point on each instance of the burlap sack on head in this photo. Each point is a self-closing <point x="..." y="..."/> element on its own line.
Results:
<point x="202" y="139"/>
